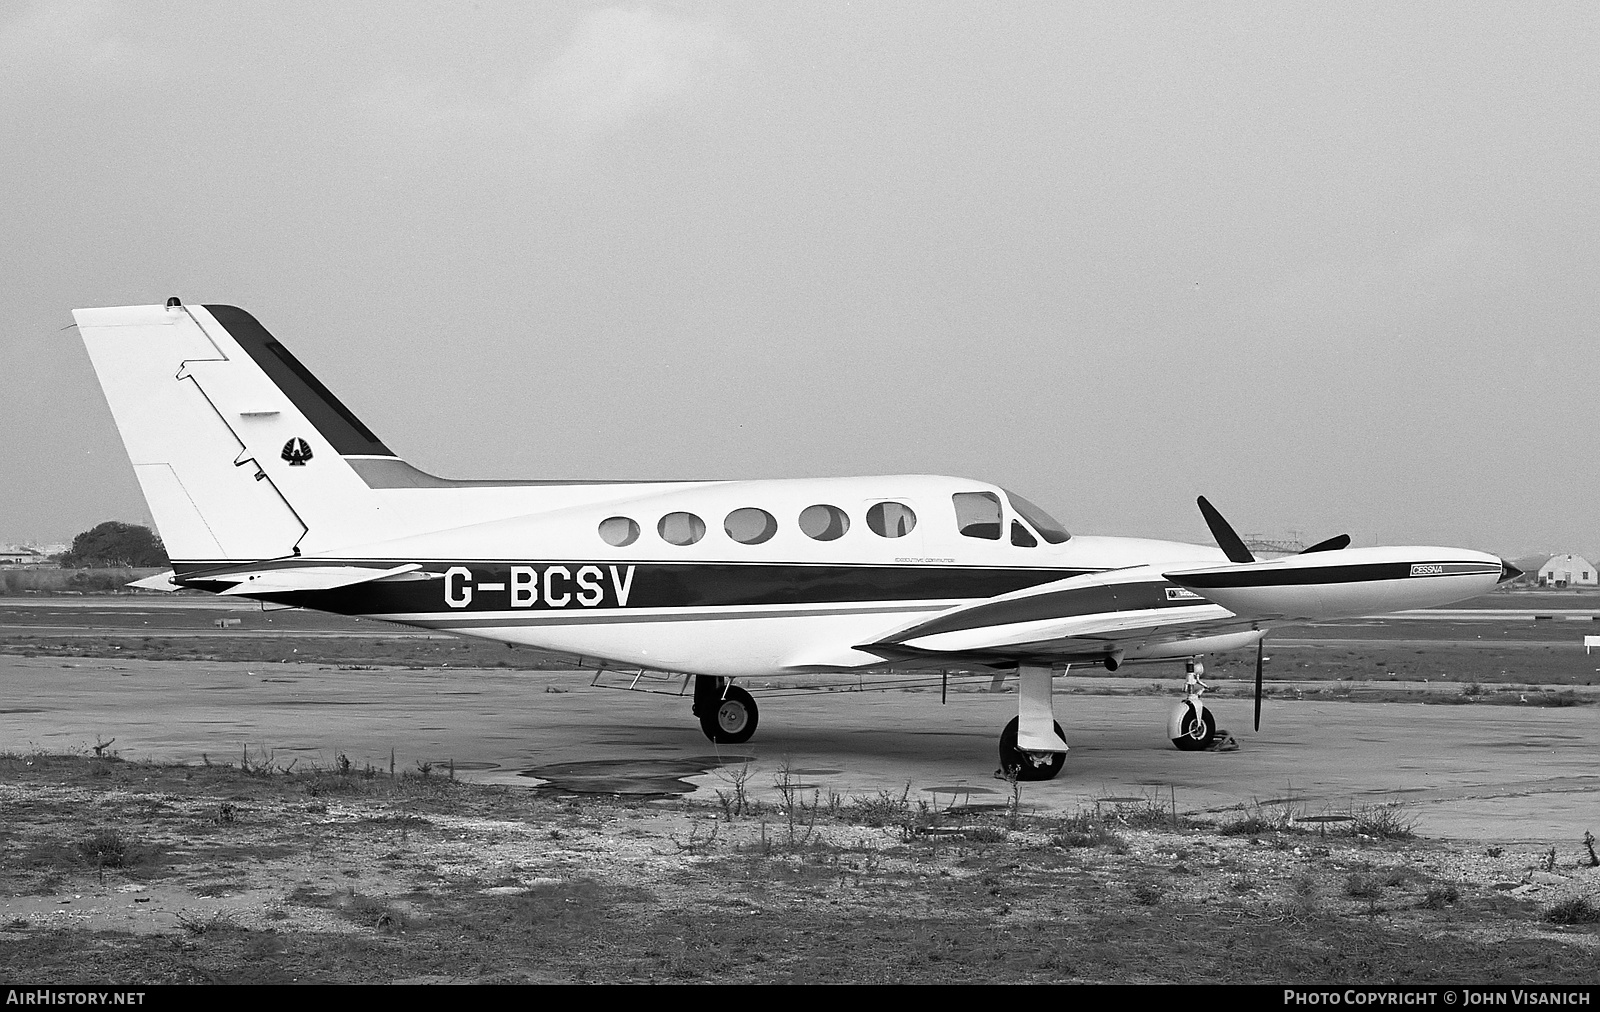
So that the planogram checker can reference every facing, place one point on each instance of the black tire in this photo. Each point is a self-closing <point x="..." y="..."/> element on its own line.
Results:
<point x="1196" y="735"/>
<point x="1029" y="765"/>
<point x="732" y="719"/>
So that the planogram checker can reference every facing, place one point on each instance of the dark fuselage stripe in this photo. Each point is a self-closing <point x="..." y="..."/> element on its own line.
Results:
<point x="1306" y="577"/>
<point x="628" y="615"/>
<point x="468" y="587"/>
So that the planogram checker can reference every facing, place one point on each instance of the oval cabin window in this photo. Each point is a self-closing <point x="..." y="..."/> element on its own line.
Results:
<point x="681" y="528"/>
<point x="619" y="532"/>
<point x="823" y="522"/>
<point x="750" y="526"/>
<point x="891" y="519"/>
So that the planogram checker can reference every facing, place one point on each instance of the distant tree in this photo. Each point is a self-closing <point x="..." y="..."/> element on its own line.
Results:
<point x="115" y="543"/>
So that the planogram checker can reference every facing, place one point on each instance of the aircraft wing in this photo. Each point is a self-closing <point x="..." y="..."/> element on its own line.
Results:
<point x="1145" y="612"/>
<point x="1081" y="618"/>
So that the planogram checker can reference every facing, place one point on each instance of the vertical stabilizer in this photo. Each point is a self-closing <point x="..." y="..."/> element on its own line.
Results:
<point x="239" y="450"/>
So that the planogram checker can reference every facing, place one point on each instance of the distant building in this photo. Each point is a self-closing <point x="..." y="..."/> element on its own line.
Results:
<point x="1567" y="571"/>
<point x="18" y="556"/>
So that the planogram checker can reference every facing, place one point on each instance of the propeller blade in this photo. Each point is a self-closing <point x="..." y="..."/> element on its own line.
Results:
<point x="1260" y="649"/>
<point x="1227" y="540"/>
<point x="1330" y="545"/>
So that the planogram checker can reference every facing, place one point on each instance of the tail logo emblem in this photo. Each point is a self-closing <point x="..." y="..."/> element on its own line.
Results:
<point x="297" y="452"/>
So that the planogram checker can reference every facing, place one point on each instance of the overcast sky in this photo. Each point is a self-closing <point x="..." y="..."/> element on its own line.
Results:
<point x="1336" y="267"/>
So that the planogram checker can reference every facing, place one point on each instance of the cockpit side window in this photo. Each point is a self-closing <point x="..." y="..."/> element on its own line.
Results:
<point x="1020" y="536"/>
<point x="978" y="515"/>
<point x="1042" y="522"/>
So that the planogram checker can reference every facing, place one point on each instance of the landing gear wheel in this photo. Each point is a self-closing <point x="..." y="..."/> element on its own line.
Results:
<point x="1196" y="735"/>
<point x="730" y="720"/>
<point x="1029" y="765"/>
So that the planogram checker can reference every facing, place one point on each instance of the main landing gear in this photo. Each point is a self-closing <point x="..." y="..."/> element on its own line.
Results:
<point x="1025" y="765"/>
<point x="728" y="714"/>
<point x="1032" y="746"/>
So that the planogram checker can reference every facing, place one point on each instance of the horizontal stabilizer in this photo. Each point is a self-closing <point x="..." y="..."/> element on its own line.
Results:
<point x="160" y="581"/>
<point x="282" y="581"/>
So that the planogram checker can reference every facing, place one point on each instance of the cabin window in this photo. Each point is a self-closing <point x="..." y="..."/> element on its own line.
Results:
<point x="978" y="515"/>
<point x="823" y="522"/>
<point x="1020" y="536"/>
<point x="681" y="528"/>
<point x="750" y="526"/>
<point x="619" y="532"/>
<point x="1042" y="522"/>
<point x="891" y="519"/>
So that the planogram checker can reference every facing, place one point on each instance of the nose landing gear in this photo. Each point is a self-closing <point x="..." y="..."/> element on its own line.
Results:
<point x="1191" y="726"/>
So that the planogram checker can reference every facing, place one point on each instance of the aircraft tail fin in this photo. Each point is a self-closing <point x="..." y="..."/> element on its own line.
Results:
<point x="241" y="452"/>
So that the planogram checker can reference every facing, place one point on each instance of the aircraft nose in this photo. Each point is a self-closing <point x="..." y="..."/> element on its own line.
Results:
<point x="1508" y="572"/>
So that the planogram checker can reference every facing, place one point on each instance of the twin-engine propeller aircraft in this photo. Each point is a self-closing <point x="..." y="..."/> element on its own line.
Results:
<point x="265" y="486"/>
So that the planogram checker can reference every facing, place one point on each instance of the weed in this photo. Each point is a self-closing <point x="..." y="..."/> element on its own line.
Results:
<point x="1151" y="813"/>
<point x="1246" y="825"/>
<point x="1440" y="896"/>
<point x="794" y="806"/>
<point x="226" y="814"/>
<point x="1148" y="893"/>
<point x="695" y="844"/>
<point x="737" y="801"/>
<point x="1577" y="910"/>
<point x="1014" y="803"/>
<point x="1084" y="830"/>
<point x="884" y="809"/>
<point x="342" y="765"/>
<point x="1384" y="822"/>
<point x="195" y="925"/>
<point x="1261" y="817"/>
<point x="1588" y="841"/>
<point x="986" y="834"/>
<point x="1304" y="899"/>
<point x="107" y="848"/>
<point x="372" y="911"/>
<point x="261" y="766"/>
<point x="1362" y="885"/>
<point x="786" y="783"/>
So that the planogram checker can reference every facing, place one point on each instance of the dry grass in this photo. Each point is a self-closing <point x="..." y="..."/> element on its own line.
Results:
<point x="329" y="876"/>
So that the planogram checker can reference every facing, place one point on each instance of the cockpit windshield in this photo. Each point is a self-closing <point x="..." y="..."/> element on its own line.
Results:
<point x="1042" y="522"/>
